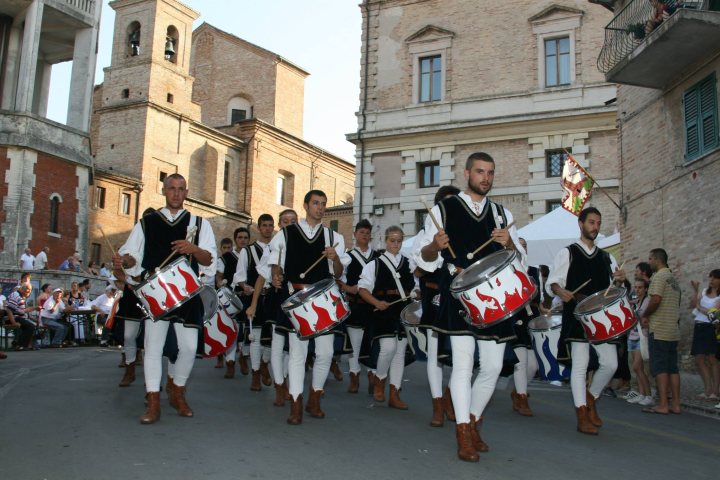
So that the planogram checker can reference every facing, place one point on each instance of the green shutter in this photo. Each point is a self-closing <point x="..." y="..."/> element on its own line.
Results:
<point x="701" y="118"/>
<point x="692" y="141"/>
<point x="708" y="114"/>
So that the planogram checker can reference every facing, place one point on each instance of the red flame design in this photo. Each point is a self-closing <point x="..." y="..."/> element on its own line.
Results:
<point x="190" y="284"/>
<point x="324" y="318"/>
<point x="171" y="291"/>
<point x="473" y="310"/>
<point x="155" y="307"/>
<point x="215" y="347"/>
<point x="497" y="281"/>
<point x="615" y="324"/>
<point x="340" y="310"/>
<point x="493" y="313"/>
<point x="629" y="315"/>
<point x="527" y="286"/>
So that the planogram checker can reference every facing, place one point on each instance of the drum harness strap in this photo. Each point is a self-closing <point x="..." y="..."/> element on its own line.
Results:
<point x="395" y="275"/>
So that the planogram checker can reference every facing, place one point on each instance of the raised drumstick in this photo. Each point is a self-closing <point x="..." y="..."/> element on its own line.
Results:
<point x="472" y="254"/>
<point x="437" y="225"/>
<point x="611" y="283"/>
<point x="102" y="232"/>
<point x="302" y="275"/>
<point x="580" y="287"/>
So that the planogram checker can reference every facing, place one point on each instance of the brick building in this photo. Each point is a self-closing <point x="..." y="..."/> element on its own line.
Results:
<point x="516" y="79"/>
<point x="668" y="143"/>
<point x="46" y="165"/>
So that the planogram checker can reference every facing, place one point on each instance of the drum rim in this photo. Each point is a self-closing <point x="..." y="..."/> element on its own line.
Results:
<point x="177" y="305"/>
<point x="413" y="304"/>
<point x="232" y="297"/>
<point x="286" y="305"/>
<point x="553" y="327"/>
<point x="167" y="267"/>
<point x="621" y="290"/>
<point x="455" y="288"/>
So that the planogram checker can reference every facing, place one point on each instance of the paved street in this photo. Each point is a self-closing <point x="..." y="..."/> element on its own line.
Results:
<point x="63" y="417"/>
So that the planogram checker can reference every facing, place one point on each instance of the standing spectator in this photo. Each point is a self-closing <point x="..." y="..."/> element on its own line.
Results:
<point x="102" y="305"/>
<point x="18" y="311"/>
<point x="643" y="272"/>
<point x="27" y="260"/>
<point x="643" y="396"/>
<point x="104" y="271"/>
<point x="52" y="310"/>
<point x="41" y="260"/>
<point x="661" y="316"/>
<point x="704" y="344"/>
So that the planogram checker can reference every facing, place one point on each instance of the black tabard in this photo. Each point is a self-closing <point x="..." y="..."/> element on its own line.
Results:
<point x="359" y="310"/>
<point x="302" y="252"/>
<point x="386" y="323"/>
<point x="230" y="259"/>
<point x="251" y="276"/>
<point x="467" y="231"/>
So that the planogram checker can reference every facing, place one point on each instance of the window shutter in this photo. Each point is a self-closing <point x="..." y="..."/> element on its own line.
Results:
<point x="708" y="114"/>
<point x="692" y="141"/>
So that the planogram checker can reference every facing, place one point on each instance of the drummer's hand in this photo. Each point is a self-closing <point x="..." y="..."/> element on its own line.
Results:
<point x="247" y="289"/>
<point x="619" y="275"/>
<point x="543" y="310"/>
<point x="565" y="295"/>
<point x="502" y="236"/>
<point x="330" y="253"/>
<point x="184" y="247"/>
<point x="382" y="305"/>
<point x="644" y="322"/>
<point x="250" y="311"/>
<point x="415" y="294"/>
<point x="441" y="241"/>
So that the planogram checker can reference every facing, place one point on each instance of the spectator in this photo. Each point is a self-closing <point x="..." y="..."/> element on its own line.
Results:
<point x="76" y="301"/>
<point x="68" y="264"/>
<point x="52" y="310"/>
<point x="84" y="289"/>
<point x="27" y="260"/>
<point x="661" y="317"/>
<point x="7" y="320"/>
<point x="41" y="261"/>
<point x="18" y="310"/>
<point x="643" y="396"/>
<point x="93" y="269"/>
<point x="643" y="272"/>
<point x="45" y="293"/>
<point x="104" y="271"/>
<point x="704" y="344"/>
<point x="103" y="304"/>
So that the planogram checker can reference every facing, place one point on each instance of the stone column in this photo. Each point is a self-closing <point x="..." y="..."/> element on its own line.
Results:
<point x="18" y="204"/>
<point x="81" y="81"/>
<point x="12" y="63"/>
<point x="29" y="57"/>
<point x="42" y="88"/>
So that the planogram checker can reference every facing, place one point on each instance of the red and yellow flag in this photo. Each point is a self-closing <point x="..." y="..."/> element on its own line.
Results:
<point x="577" y="186"/>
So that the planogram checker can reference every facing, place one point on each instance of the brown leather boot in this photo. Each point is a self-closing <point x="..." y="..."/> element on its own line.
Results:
<point x="244" y="369"/>
<point x="520" y="403"/>
<point x="354" y="383"/>
<point x="139" y="357"/>
<point x="335" y="369"/>
<point x="265" y="374"/>
<point x="584" y="425"/>
<point x="466" y="451"/>
<point x="296" y="411"/>
<point x="220" y="361"/>
<point x="379" y="390"/>
<point x="371" y="383"/>
<point x="279" y="395"/>
<point x="182" y="408"/>
<point x="129" y="376"/>
<point x="477" y="441"/>
<point x="171" y="387"/>
<point x="287" y="390"/>
<point x="394" y="401"/>
<point x="438" y="415"/>
<point x="152" y="412"/>
<point x="122" y="360"/>
<point x="255" y="382"/>
<point x="448" y="405"/>
<point x="313" y="405"/>
<point x="592" y="409"/>
<point x="229" y="369"/>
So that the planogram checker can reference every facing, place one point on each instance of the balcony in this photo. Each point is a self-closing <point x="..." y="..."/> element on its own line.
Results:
<point x="653" y="47"/>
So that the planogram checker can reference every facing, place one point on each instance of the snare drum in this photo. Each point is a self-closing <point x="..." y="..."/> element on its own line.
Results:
<point x="493" y="289"/>
<point x="219" y="333"/>
<point x="229" y="301"/>
<point x="545" y="333"/>
<point x="417" y="341"/>
<point x="316" y="309"/>
<point x="411" y="314"/>
<point x="605" y="317"/>
<point x="167" y="289"/>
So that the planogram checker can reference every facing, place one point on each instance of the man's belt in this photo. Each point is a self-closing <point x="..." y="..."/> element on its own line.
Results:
<point x="432" y="285"/>
<point x="387" y="292"/>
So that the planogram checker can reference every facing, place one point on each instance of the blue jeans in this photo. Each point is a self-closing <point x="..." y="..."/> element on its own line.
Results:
<point x="59" y="330"/>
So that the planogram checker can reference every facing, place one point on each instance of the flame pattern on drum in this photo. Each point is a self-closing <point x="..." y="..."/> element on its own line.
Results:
<point x="324" y="312"/>
<point x="172" y="289"/>
<point x="219" y="333"/>
<point x="490" y="303"/>
<point x="613" y="321"/>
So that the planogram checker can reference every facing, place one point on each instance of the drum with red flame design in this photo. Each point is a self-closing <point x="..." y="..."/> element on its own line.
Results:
<point x="316" y="309"/>
<point x="168" y="288"/>
<point x="605" y="317"/>
<point x="493" y="289"/>
<point x="219" y="332"/>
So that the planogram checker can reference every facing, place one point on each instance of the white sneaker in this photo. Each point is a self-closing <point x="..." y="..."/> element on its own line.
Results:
<point x="717" y="406"/>
<point x="637" y="399"/>
<point x="645" y="401"/>
<point x="632" y="394"/>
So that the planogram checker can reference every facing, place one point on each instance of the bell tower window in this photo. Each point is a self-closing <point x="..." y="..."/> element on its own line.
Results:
<point x="133" y="33"/>
<point x="171" y="44"/>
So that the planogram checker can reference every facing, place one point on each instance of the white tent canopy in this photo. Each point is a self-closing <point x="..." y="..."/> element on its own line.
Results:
<point x="548" y="234"/>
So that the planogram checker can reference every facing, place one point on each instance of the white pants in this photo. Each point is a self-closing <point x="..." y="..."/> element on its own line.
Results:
<point x="278" y="358"/>
<point x="391" y="360"/>
<point x="231" y="352"/>
<point x="298" y="355"/>
<point x="607" y="358"/>
<point x="155" y="333"/>
<point x="130" y="340"/>
<point x="472" y="397"/>
<point x="255" y="348"/>
<point x="434" y="368"/>
<point x="525" y="369"/>
<point x="356" y="335"/>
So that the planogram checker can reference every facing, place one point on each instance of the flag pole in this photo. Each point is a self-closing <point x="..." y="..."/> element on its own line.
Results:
<point x="593" y="180"/>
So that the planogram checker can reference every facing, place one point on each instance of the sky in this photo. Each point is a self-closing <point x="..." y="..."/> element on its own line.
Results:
<point x="320" y="36"/>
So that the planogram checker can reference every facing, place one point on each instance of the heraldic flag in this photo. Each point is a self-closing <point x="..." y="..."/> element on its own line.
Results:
<point x="577" y="186"/>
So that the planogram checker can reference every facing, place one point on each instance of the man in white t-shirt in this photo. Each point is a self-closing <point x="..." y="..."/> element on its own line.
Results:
<point x="27" y="260"/>
<point x="42" y="259"/>
<point x="103" y="304"/>
<point x="50" y="315"/>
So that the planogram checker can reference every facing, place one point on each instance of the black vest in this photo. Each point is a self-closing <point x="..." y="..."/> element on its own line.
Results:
<point x="230" y="260"/>
<point x="251" y="273"/>
<point x="128" y="305"/>
<point x="594" y="267"/>
<point x="356" y="266"/>
<point x="385" y="279"/>
<point x="159" y="233"/>
<point x="302" y="252"/>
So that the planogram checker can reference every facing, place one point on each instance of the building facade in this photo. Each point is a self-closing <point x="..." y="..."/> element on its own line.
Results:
<point x="516" y="79"/>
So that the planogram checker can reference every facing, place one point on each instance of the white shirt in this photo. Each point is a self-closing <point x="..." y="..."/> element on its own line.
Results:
<point x="27" y="262"/>
<point x="103" y="303"/>
<point x="425" y="237"/>
<point x="367" y="277"/>
<point x="104" y="272"/>
<point x="49" y="305"/>
<point x="41" y="260"/>
<point x="278" y="242"/>
<point x="135" y="245"/>
<point x="243" y="261"/>
<point x="558" y="274"/>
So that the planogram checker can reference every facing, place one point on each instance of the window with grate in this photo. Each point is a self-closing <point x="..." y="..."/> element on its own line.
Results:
<point x="555" y="160"/>
<point x="420" y="216"/>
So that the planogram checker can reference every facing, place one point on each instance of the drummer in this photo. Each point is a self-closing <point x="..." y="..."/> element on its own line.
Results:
<point x="573" y="266"/>
<point x="467" y="221"/>
<point x="302" y="244"/>
<point x="152" y="240"/>
<point x="387" y="283"/>
<point x="243" y="282"/>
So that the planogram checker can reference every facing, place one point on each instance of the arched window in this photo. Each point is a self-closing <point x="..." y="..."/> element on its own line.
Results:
<point x="133" y="36"/>
<point x="55" y="201"/>
<point x="171" y="44"/>
<point x="239" y="109"/>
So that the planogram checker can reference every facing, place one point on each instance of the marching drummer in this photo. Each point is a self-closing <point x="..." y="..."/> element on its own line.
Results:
<point x="580" y="270"/>
<point x="157" y="238"/>
<point x="387" y="283"/>
<point x="310" y="253"/>
<point x="453" y="232"/>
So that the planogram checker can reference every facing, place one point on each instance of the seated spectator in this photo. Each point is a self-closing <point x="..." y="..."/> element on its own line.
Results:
<point x="704" y="345"/>
<point x="76" y="301"/>
<point x="27" y="260"/>
<point x="50" y="315"/>
<point x="92" y="269"/>
<point x="104" y="271"/>
<point x="18" y="312"/>
<point x="67" y="265"/>
<point x="103" y="304"/>
<point x="5" y="320"/>
<point x="45" y="293"/>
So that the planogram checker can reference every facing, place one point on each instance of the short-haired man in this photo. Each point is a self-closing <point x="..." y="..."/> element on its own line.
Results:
<point x="41" y="260"/>
<point x="27" y="260"/>
<point x="573" y="266"/>
<point x="17" y="312"/>
<point x="661" y="317"/>
<point x="301" y="245"/>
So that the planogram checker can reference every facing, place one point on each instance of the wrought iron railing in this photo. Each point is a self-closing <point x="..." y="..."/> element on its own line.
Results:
<point x="633" y="23"/>
<point x="87" y="6"/>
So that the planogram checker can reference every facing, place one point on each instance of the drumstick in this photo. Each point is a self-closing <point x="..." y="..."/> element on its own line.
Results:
<point x="280" y="250"/>
<point x="189" y="237"/>
<point x="437" y="225"/>
<point x="580" y="287"/>
<point x="611" y="283"/>
<point x="99" y="227"/>
<point x="302" y="275"/>
<point x="472" y="254"/>
<point x="250" y="334"/>
<point x="396" y="301"/>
